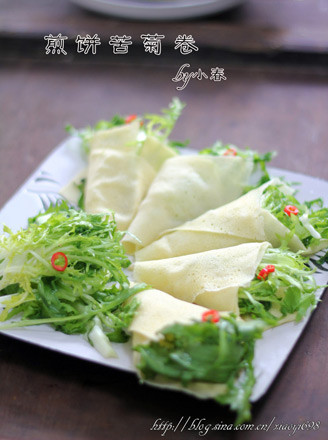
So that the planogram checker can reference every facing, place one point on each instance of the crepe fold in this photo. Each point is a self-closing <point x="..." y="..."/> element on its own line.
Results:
<point x="120" y="171"/>
<point x="241" y="221"/>
<point x="156" y="311"/>
<point x="186" y="187"/>
<point x="210" y="279"/>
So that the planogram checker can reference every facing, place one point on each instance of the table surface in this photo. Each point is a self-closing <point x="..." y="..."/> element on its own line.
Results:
<point x="274" y="54"/>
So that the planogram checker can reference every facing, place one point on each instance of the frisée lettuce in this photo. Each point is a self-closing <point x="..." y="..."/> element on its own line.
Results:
<point x="309" y="222"/>
<point x="288" y="289"/>
<point x="206" y="352"/>
<point x="85" y="296"/>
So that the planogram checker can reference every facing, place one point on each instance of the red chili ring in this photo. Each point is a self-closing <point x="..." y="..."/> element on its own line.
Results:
<point x="230" y="152"/>
<point x="290" y="209"/>
<point x="212" y="314"/>
<point x="55" y="256"/>
<point x="270" y="268"/>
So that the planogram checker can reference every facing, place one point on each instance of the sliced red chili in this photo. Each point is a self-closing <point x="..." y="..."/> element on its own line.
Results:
<point x="270" y="268"/>
<point x="55" y="257"/>
<point x="130" y="118"/>
<point x="264" y="273"/>
<point x="230" y="152"/>
<point x="291" y="209"/>
<point x="211" y="316"/>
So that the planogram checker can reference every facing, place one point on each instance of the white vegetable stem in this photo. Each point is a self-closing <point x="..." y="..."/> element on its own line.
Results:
<point x="100" y="341"/>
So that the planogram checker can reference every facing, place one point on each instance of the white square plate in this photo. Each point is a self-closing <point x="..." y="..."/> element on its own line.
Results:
<point x="43" y="187"/>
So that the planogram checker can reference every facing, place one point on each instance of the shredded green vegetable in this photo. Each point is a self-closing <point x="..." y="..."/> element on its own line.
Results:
<point x="81" y="188"/>
<point x="288" y="290"/>
<point x="311" y="220"/>
<point x="161" y="125"/>
<point x="90" y="292"/>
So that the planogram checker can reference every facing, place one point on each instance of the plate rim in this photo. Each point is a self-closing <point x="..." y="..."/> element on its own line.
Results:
<point x="171" y="10"/>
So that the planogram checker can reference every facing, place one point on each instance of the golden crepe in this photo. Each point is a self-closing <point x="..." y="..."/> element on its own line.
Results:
<point x="156" y="311"/>
<point x="211" y="279"/>
<point x="184" y="188"/>
<point x="120" y="170"/>
<point x="242" y="221"/>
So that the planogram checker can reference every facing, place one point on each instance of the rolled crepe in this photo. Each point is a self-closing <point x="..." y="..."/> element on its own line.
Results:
<point x="121" y="137"/>
<point x="186" y="187"/>
<point x="71" y="191"/>
<point x="117" y="181"/>
<point x="211" y="279"/>
<point x="156" y="311"/>
<point x="241" y="221"/>
<point x="121" y="170"/>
